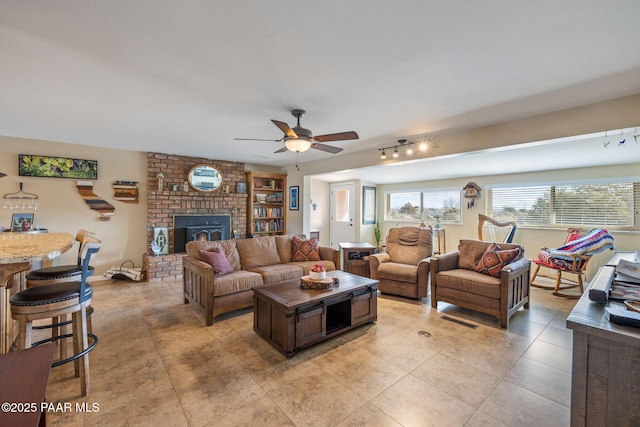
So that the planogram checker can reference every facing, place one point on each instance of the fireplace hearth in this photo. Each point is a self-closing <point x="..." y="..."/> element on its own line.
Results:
<point x="199" y="227"/>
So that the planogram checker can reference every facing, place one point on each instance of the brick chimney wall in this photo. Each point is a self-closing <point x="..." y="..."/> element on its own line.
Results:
<point x="163" y="204"/>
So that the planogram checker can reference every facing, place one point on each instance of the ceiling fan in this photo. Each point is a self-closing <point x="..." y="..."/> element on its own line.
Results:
<point x="300" y="139"/>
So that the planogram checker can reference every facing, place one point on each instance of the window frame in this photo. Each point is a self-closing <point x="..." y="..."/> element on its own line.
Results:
<point x="421" y="207"/>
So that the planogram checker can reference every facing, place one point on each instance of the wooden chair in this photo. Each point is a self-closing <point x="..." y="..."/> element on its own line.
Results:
<point x="574" y="263"/>
<point x="57" y="299"/>
<point x="495" y="231"/>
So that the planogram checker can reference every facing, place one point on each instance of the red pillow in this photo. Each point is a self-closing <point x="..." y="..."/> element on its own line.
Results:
<point x="494" y="259"/>
<point x="305" y="250"/>
<point x="216" y="259"/>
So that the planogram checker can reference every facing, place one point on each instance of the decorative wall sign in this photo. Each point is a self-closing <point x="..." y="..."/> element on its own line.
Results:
<point x="56" y="167"/>
<point x="106" y="210"/>
<point x="160" y="244"/>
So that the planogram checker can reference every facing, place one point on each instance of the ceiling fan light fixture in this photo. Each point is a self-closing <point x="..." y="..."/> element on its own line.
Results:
<point x="298" y="145"/>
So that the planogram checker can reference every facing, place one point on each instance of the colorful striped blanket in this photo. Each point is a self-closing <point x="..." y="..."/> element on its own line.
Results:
<point x="593" y="242"/>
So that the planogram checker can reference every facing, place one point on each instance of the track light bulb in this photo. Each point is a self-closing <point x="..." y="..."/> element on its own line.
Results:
<point x="395" y="152"/>
<point x="409" y="151"/>
<point x="423" y="146"/>
<point x="383" y="156"/>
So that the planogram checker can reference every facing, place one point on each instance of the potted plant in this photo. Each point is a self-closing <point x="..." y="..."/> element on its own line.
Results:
<point x="377" y="235"/>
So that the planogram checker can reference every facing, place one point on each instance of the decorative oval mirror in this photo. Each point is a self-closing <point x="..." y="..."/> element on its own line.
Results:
<point x="204" y="178"/>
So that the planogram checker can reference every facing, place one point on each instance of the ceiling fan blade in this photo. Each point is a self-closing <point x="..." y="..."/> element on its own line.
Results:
<point x="341" y="136"/>
<point x="328" y="148"/>
<point x="285" y="128"/>
<point x="255" y="139"/>
<point x="282" y="150"/>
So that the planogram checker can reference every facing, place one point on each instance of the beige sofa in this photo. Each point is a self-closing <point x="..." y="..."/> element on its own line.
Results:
<point x="256" y="262"/>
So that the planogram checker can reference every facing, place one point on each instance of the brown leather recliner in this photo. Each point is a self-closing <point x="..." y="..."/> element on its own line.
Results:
<point x="404" y="269"/>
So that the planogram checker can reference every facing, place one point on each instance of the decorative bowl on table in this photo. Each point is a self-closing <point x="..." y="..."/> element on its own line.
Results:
<point x="317" y="275"/>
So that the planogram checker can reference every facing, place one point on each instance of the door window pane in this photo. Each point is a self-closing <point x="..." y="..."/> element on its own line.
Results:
<point x="342" y="206"/>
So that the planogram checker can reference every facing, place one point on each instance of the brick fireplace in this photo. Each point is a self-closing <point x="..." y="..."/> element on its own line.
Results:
<point x="171" y="202"/>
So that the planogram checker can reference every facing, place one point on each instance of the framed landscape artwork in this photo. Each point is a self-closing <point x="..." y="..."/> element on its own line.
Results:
<point x="56" y="167"/>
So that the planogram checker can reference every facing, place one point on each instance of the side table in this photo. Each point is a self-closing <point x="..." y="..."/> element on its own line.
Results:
<point x="355" y="257"/>
<point x="442" y="244"/>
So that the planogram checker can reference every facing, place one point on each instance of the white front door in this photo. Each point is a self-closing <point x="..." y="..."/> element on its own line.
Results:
<point x="343" y="213"/>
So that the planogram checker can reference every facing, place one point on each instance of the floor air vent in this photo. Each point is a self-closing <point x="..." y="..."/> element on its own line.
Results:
<point x="460" y="322"/>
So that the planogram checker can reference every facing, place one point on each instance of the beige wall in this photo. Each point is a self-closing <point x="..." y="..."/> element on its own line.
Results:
<point x="612" y="114"/>
<point x="531" y="238"/>
<point x="61" y="208"/>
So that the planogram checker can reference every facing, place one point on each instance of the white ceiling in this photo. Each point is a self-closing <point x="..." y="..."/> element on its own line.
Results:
<point x="186" y="77"/>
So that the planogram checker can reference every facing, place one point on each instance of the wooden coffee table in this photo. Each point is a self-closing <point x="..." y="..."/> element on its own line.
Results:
<point x="292" y="318"/>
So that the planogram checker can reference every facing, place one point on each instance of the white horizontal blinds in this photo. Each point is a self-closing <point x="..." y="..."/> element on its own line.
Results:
<point x="524" y="205"/>
<point x="602" y="205"/>
<point x="445" y="203"/>
<point x="577" y="205"/>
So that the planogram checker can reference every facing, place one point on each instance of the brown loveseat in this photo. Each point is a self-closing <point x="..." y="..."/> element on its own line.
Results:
<point x="256" y="262"/>
<point x="404" y="269"/>
<point x="454" y="280"/>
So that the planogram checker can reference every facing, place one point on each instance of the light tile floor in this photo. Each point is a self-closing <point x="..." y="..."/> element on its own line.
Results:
<point x="157" y="364"/>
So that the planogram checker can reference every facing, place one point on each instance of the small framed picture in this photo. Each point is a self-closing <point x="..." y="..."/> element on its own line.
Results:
<point x="241" y="187"/>
<point x="294" y="197"/>
<point x="21" y="221"/>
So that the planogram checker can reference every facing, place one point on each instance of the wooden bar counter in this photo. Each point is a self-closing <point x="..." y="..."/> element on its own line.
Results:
<point x="18" y="252"/>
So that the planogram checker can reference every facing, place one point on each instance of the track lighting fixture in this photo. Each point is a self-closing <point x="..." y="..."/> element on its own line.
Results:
<point x="402" y="145"/>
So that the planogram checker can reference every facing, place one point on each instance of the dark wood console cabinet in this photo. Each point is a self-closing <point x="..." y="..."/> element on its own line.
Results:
<point x="606" y="361"/>
<point x="355" y="257"/>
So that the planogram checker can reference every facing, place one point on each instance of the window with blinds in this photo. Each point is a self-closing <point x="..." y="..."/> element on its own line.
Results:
<point x="424" y="205"/>
<point x="606" y="205"/>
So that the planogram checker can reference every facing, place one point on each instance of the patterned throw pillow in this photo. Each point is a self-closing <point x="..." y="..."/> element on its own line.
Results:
<point x="305" y="250"/>
<point x="216" y="259"/>
<point x="494" y="259"/>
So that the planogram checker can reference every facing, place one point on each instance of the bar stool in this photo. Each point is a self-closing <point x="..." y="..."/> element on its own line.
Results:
<point x="60" y="273"/>
<point x="57" y="274"/>
<point x="57" y="299"/>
